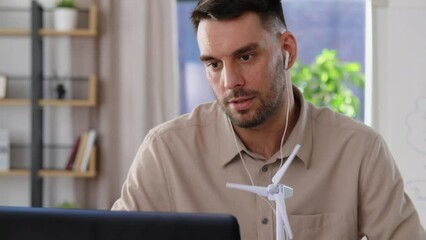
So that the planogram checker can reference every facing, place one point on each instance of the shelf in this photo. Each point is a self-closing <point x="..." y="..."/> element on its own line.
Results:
<point x="91" y="31"/>
<point x="89" y="102"/>
<point x="66" y="173"/>
<point x="14" y="102"/>
<point x="73" y="33"/>
<point x="90" y="173"/>
<point x="15" y="172"/>
<point x="14" y="32"/>
<point x="64" y="103"/>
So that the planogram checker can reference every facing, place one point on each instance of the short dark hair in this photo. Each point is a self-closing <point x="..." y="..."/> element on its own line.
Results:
<point x="269" y="11"/>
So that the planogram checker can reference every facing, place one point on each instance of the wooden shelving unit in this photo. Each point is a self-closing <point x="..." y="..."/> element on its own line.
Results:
<point x="91" y="31"/>
<point x="36" y="102"/>
<point x="90" y="173"/>
<point x="89" y="102"/>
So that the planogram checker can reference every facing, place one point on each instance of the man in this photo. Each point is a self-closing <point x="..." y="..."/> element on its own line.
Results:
<point x="345" y="181"/>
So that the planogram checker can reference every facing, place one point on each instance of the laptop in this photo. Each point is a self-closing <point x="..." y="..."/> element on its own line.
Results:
<point x="25" y="223"/>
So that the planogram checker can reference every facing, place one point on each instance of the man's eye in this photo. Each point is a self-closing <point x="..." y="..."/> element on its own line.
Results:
<point x="213" y="65"/>
<point x="246" y="58"/>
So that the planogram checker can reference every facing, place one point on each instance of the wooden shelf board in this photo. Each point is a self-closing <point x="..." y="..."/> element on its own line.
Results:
<point x="50" y="32"/>
<point x="14" y="32"/>
<point x="15" y="172"/>
<point x="73" y="33"/>
<point x="64" y="103"/>
<point x="49" y="173"/>
<point x="14" y="102"/>
<point x="49" y="102"/>
<point x="66" y="173"/>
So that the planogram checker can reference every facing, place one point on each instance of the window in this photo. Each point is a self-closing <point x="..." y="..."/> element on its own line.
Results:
<point x="317" y="24"/>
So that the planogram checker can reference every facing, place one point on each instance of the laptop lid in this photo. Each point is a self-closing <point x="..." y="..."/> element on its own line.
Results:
<point x="24" y="223"/>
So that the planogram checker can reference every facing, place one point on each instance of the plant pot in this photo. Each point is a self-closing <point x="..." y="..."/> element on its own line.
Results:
<point x="65" y="19"/>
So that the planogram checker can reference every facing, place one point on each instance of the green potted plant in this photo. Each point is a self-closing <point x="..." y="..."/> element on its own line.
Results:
<point x="324" y="83"/>
<point x="65" y="15"/>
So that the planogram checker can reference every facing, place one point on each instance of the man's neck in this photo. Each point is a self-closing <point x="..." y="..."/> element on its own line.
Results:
<point x="266" y="138"/>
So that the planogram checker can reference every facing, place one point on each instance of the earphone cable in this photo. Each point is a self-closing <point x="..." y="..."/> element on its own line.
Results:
<point x="245" y="166"/>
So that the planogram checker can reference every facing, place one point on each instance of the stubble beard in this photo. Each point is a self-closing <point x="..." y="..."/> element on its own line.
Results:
<point x="268" y="104"/>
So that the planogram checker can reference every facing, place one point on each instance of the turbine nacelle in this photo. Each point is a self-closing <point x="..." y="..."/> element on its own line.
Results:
<point x="275" y="189"/>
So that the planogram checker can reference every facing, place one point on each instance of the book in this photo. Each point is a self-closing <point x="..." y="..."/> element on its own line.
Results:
<point x="88" y="148"/>
<point x="4" y="150"/>
<point x="71" y="158"/>
<point x="80" y="152"/>
<point x="3" y="82"/>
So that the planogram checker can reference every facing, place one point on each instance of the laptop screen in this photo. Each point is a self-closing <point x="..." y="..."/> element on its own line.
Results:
<point x="24" y="223"/>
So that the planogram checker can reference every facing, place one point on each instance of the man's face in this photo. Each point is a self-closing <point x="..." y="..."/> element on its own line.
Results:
<point x="244" y="66"/>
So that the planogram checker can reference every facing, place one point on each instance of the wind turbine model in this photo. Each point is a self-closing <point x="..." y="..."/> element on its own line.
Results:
<point x="275" y="192"/>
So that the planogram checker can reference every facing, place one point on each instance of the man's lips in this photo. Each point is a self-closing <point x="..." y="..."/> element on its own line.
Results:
<point x="241" y="103"/>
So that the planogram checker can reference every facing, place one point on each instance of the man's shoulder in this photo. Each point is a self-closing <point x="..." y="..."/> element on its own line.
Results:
<point x="331" y="120"/>
<point x="200" y="117"/>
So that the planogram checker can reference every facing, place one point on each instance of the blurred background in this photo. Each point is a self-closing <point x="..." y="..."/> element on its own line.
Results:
<point x="129" y="65"/>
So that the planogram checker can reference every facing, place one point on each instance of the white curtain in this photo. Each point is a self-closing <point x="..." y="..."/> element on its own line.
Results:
<point x="138" y="67"/>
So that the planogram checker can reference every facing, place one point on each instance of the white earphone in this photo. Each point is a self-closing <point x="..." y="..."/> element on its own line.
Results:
<point x="287" y="57"/>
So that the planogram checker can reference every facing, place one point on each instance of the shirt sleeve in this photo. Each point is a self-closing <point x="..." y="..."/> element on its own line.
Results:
<point x="146" y="187"/>
<point x="385" y="210"/>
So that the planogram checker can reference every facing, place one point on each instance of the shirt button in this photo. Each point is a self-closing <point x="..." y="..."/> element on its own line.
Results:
<point x="264" y="168"/>
<point x="264" y="221"/>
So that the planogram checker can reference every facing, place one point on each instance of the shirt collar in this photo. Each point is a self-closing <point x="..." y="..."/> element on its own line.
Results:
<point x="301" y="134"/>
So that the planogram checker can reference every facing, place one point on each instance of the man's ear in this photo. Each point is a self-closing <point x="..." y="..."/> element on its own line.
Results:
<point x="289" y="44"/>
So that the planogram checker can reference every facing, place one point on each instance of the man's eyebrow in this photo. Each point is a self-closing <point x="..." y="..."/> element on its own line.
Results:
<point x="247" y="48"/>
<point x="206" y="58"/>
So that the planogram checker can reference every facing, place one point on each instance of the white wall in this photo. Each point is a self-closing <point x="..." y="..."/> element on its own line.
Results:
<point x="399" y="88"/>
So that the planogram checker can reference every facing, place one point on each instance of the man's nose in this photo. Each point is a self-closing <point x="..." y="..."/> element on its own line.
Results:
<point x="232" y="77"/>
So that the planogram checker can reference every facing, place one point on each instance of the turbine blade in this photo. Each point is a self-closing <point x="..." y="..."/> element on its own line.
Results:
<point x="263" y="191"/>
<point x="279" y="199"/>
<point x="277" y="177"/>
<point x="279" y="229"/>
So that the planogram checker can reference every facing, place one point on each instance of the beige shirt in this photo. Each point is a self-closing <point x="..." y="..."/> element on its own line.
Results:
<point x="344" y="178"/>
